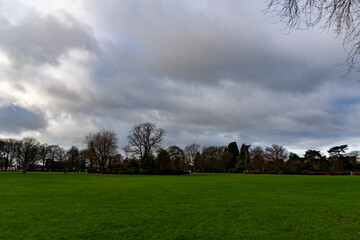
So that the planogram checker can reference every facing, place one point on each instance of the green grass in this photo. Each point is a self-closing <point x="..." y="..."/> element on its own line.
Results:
<point x="209" y="206"/>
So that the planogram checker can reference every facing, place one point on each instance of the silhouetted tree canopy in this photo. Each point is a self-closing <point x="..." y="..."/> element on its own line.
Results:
<point x="234" y="150"/>
<point x="337" y="150"/>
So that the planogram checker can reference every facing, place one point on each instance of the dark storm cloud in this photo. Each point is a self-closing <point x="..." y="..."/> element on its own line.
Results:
<point x="16" y="119"/>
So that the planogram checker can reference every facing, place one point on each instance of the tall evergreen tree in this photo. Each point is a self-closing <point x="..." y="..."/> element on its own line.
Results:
<point x="234" y="150"/>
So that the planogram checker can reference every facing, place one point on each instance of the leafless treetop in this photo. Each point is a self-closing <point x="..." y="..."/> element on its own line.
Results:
<point x="103" y="145"/>
<point x="144" y="139"/>
<point x="340" y="16"/>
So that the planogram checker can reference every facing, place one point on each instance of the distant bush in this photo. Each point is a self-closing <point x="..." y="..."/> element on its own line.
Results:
<point x="142" y="171"/>
<point x="304" y="172"/>
<point x="92" y="170"/>
<point x="123" y="170"/>
<point x="246" y="172"/>
<point x="281" y="172"/>
<point x="239" y="167"/>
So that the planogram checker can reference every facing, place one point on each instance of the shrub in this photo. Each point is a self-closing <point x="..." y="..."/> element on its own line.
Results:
<point x="142" y="171"/>
<point x="246" y="172"/>
<point x="239" y="167"/>
<point x="123" y="170"/>
<point x="92" y="170"/>
<point x="304" y="172"/>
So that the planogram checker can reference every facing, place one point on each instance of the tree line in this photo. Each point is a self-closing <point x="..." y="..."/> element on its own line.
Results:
<point x="276" y="159"/>
<point x="144" y="154"/>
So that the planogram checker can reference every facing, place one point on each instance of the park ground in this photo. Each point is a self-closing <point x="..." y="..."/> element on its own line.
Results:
<point x="196" y="206"/>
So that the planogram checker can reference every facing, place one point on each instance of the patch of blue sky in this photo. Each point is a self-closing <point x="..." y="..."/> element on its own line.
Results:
<point x="344" y="106"/>
<point x="347" y="102"/>
<point x="15" y="119"/>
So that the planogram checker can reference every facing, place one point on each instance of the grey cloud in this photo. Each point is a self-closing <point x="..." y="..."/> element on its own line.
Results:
<point x="16" y="119"/>
<point x="39" y="40"/>
<point x="167" y="66"/>
<point x="197" y="47"/>
<point x="248" y="112"/>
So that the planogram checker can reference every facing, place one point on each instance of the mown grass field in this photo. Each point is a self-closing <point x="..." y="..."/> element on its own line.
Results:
<point x="200" y="206"/>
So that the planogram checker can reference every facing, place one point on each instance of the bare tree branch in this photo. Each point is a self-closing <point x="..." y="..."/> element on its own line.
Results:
<point x="340" y="16"/>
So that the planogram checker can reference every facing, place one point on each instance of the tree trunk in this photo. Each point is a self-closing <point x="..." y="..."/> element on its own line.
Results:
<point x="6" y="164"/>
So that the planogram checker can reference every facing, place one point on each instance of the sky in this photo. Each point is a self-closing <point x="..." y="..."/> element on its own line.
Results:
<point x="208" y="72"/>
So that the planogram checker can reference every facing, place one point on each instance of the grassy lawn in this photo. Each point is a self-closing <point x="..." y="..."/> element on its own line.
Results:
<point x="200" y="206"/>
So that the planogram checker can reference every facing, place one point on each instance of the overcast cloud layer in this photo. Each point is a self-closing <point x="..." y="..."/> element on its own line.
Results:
<point x="209" y="72"/>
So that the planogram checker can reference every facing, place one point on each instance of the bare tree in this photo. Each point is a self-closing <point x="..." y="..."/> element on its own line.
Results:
<point x="115" y="161"/>
<point x="178" y="158"/>
<point x="27" y="152"/>
<point x="43" y="154"/>
<point x="2" y="144"/>
<point x="214" y="159"/>
<point x="127" y="151"/>
<point x="143" y="140"/>
<point x="62" y="160"/>
<point x="257" y="158"/>
<point x="73" y="157"/>
<point x="341" y="16"/>
<point x="85" y="158"/>
<point x="103" y="145"/>
<point x="191" y="151"/>
<point x="53" y="154"/>
<point x="277" y="154"/>
<point x="8" y="151"/>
